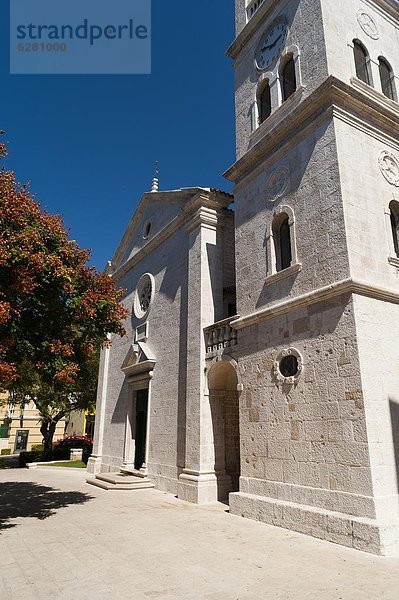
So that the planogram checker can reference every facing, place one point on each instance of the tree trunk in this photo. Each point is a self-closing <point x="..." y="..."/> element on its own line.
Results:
<point x="47" y="429"/>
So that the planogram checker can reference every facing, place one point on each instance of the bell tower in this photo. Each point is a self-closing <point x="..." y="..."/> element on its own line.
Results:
<point x="317" y="254"/>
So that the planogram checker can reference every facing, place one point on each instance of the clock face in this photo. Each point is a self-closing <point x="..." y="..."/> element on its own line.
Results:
<point x="271" y="46"/>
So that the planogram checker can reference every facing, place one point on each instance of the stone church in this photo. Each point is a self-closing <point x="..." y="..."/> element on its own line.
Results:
<point x="261" y="365"/>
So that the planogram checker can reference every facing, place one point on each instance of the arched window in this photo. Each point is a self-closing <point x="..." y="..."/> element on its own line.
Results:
<point x="361" y="62"/>
<point x="265" y="104"/>
<point x="282" y="242"/>
<point x="387" y="78"/>
<point x="394" y="209"/>
<point x="288" y="78"/>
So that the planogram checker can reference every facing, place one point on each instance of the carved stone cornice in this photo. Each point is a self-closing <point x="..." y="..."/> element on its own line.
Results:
<point x="389" y="8"/>
<point x="394" y="261"/>
<point x="340" y="288"/>
<point x="203" y="217"/>
<point x="146" y="366"/>
<point x="333" y="98"/>
<point x="211" y="201"/>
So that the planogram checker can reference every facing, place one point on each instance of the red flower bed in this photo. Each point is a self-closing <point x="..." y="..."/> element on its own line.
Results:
<point x="73" y="441"/>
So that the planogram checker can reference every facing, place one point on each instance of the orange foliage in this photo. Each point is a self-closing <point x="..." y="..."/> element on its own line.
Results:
<point x="54" y="308"/>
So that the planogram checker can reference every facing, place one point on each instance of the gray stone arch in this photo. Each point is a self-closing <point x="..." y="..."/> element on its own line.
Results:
<point x="266" y="82"/>
<point x="223" y="370"/>
<point x="279" y="214"/>
<point x="223" y="386"/>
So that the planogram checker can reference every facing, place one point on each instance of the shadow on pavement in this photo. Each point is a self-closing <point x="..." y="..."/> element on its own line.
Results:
<point x="26" y="499"/>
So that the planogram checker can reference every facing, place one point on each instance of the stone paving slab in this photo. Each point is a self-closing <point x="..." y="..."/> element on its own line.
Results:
<point x="147" y="545"/>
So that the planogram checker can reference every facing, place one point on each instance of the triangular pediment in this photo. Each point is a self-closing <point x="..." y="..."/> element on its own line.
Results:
<point x="131" y="358"/>
<point x="138" y="359"/>
<point x="154" y="213"/>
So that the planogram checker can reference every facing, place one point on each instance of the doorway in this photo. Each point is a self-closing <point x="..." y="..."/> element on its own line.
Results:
<point x="141" y="428"/>
<point x="224" y="405"/>
<point x="21" y="440"/>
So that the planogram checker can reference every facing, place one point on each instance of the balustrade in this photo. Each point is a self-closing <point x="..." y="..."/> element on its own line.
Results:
<point x="219" y="336"/>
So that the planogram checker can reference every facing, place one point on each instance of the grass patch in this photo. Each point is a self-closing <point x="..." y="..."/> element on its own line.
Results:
<point x="75" y="464"/>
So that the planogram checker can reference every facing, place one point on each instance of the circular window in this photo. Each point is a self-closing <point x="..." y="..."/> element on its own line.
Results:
<point x="144" y="296"/>
<point x="147" y="231"/>
<point x="288" y="366"/>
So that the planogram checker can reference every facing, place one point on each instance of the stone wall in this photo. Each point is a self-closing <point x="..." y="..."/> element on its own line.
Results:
<point x="377" y="330"/>
<point x="305" y="462"/>
<point x="228" y="251"/>
<point x="366" y="206"/>
<point x="313" y="193"/>
<point x="312" y="434"/>
<point x="342" y="20"/>
<point x="232" y="437"/>
<point x="167" y="341"/>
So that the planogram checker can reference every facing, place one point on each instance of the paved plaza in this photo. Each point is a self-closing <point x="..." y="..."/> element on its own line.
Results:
<point x="61" y="538"/>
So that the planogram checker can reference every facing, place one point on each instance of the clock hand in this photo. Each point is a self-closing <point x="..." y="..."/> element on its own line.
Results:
<point x="272" y="45"/>
<point x="279" y="37"/>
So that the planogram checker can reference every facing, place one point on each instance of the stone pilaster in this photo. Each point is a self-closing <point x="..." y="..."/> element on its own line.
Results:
<point x="197" y="482"/>
<point x="94" y="462"/>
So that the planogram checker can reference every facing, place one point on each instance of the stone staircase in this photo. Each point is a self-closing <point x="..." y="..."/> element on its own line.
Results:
<point x="121" y="480"/>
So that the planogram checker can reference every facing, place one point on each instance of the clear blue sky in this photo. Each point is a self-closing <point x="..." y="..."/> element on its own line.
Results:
<point x="88" y="143"/>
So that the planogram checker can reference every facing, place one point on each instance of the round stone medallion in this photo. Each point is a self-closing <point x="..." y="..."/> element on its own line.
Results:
<point x="389" y="166"/>
<point x="368" y="24"/>
<point x="277" y="183"/>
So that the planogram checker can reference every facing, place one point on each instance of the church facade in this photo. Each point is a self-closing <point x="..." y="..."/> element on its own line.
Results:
<point x="261" y="363"/>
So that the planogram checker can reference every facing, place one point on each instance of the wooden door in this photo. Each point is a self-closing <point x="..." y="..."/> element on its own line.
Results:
<point x="141" y="428"/>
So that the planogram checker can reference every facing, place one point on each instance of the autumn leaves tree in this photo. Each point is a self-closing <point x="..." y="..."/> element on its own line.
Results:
<point x="55" y="310"/>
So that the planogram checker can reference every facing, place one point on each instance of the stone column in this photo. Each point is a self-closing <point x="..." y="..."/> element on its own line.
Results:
<point x="129" y="446"/>
<point x="197" y="482"/>
<point x="94" y="462"/>
<point x="144" y="468"/>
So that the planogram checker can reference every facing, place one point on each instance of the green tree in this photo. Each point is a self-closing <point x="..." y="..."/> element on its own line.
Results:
<point x="55" y="310"/>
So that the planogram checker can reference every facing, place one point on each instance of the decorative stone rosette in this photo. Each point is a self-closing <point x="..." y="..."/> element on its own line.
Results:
<point x="278" y="183"/>
<point x="368" y="24"/>
<point x="389" y="166"/>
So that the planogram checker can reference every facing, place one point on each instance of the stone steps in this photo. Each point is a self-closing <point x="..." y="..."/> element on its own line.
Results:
<point x="133" y="472"/>
<point x="120" y="481"/>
